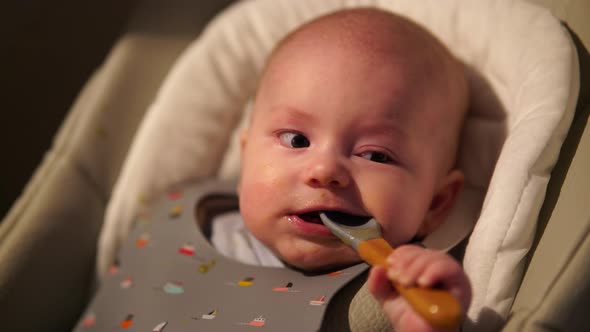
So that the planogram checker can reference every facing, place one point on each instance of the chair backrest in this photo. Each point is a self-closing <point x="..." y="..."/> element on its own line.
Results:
<point x="556" y="287"/>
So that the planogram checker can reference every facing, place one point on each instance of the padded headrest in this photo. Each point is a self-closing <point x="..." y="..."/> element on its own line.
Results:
<point x="523" y="91"/>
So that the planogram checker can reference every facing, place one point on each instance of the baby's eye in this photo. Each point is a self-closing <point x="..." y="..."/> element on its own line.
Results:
<point x="377" y="157"/>
<point x="293" y="140"/>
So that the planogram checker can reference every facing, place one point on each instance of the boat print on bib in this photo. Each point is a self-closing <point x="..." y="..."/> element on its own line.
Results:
<point x="318" y="300"/>
<point x="160" y="327"/>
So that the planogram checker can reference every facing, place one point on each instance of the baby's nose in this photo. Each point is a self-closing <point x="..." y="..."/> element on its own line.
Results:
<point x="327" y="171"/>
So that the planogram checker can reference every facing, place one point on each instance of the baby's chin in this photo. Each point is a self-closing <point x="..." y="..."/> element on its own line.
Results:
<point x="318" y="263"/>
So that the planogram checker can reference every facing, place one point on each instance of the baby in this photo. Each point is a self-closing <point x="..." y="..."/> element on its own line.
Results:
<point x="360" y="112"/>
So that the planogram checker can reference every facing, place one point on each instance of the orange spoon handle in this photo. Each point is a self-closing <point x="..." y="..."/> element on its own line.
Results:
<point x="437" y="307"/>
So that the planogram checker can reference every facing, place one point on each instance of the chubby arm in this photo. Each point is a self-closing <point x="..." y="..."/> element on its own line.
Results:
<point x="411" y="265"/>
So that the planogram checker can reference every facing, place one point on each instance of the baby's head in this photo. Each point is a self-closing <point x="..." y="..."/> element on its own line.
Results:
<point x="359" y="111"/>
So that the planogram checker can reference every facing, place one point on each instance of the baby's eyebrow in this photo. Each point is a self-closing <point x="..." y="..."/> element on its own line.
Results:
<point x="390" y="130"/>
<point x="292" y="112"/>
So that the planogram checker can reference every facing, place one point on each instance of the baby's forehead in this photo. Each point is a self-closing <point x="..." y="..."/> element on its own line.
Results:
<point x="366" y="32"/>
<point x="383" y="40"/>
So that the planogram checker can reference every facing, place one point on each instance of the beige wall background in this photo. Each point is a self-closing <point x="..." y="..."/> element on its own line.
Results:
<point x="48" y="49"/>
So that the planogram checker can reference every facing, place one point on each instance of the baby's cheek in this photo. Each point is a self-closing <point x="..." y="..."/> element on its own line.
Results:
<point x="392" y="210"/>
<point x="260" y="185"/>
<point x="252" y="197"/>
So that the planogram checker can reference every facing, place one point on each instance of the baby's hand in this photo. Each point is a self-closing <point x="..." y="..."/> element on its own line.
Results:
<point x="412" y="265"/>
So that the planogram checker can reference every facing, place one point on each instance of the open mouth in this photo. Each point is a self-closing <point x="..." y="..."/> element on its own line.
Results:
<point x="311" y="217"/>
<point x="339" y="217"/>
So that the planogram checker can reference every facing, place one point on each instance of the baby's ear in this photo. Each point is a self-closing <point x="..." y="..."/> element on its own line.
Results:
<point x="443" y="201"/>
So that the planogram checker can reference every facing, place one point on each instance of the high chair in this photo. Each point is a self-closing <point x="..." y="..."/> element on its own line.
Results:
<point x="532" y="276"/>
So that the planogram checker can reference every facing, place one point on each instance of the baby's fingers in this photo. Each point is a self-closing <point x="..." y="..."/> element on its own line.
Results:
<point x="448" y="275"/>
<point x="379" y="285"/>
<point x="397" y="309"/>
<point x="407" y="263"/>
<point x="415" y="266"/>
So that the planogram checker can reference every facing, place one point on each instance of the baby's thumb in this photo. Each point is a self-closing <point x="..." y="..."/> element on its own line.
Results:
<point x="380" y="286"/>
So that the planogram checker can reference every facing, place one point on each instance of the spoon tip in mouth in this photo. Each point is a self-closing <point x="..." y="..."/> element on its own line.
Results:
<point x="351" y="235"/>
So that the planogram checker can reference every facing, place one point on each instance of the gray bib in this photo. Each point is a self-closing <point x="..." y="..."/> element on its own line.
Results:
<point x="169" y="278"/>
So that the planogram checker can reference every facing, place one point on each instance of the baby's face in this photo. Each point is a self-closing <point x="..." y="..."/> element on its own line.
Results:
<point x="336" y="131"/>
